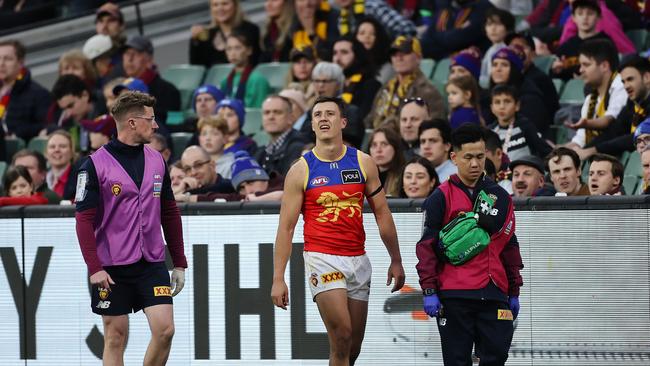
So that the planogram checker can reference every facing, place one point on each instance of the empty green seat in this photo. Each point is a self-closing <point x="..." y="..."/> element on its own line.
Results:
<point x="253" y="121"/>
<point x="261" y="138"/>
<point x="216" y="74"/>
<point x="180" y="140"/>
<point x="573" y="92"/>
<point x="275" y="73"/>
<point x="441" y="72"/>
<point x="427" y="65"/>
<point x="558" y="83"/>
<point x="630" y="183"/>
<point x="544" y="63"/>
<point x="38" y="144"/>
<point x="3" y="169"/>
<point x="633" y="166"/>
<point x="12" y="145"/>
<point x="186" y="78"/>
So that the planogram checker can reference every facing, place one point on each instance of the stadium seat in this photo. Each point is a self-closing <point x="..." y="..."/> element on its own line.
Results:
<point x="544" y="63"/>
<point x="261" y="138"/>
<point x="216" y="74"/>
<point x="37" y="144"/>
<point x="441" y="72"/>
<point x="427" y="65"/>
<point x="639" y="187"/>
<point x="3" y="168"/>
<point x="639" y="37"/>
<point x="630" y="183"/>
<point x="275" y="73"/>
<point x="175" y="118"/>
<point x="179" y="140"/>
<point x="625" y="156"/>
<point x="559" y="83"/>
<point x="13" y="145"/>
<point x="585" y="171"/>
<point x="186" y="78"/>
<point x="366" y="140"/>
<point x="633" y="166"/>
<point x="253" y="121"/>
<point x="573" y="92"/>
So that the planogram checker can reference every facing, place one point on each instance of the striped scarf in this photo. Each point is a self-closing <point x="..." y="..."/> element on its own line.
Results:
<point x="594" y="111"/>
<point x="358" y="8"/>
<point x="4" y="101"/>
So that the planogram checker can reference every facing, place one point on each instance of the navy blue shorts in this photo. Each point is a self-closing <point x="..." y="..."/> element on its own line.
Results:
<point x="137" y="286"/>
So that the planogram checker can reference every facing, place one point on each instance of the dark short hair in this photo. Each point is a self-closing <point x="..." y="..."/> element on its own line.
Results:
<point x="525" y="36"/>
<point x="129" y="102"/>
<point x="601" y="50"/>
<point x="439" y="124"/>
<point x="12" y="174"/>
<point x="431" y="170"/>
<point x="159" y="138"/>
<point x="617" y="167"/>
<point x="40" y="158"/>
<point x="591" y="4"/>
<point x="69" y="85"/>
<point x="507" y="19"/>
<point x="18" y="47"/>
<point x="466" y="134"/>
<point x="504" y="89"/>
<point x="492" y="140"/>
<point x="641" y="64"/>
<point x="558" y="153"/>
<point x="336" y="100"/>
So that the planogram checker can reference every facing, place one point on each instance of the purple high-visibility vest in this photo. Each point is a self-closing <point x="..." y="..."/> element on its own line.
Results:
<point x="127" y="226"/>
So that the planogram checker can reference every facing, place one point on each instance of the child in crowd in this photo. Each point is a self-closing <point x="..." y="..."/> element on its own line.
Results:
<point x="19" y="190"/>
<point x="463" y="99"/>
<point x="232" y="110"/>
<point x="243" y="82"/>
<point x="519" y="135"/>
<point x="213" y="132"/>
<point x="498" y="24"/>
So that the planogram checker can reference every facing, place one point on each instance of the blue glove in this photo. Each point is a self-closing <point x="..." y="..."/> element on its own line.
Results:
<point x="513" y="302"/>
<point x="432" y="305"/>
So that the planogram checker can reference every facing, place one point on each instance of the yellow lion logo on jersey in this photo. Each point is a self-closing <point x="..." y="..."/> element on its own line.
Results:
<point x="334" y="205"/>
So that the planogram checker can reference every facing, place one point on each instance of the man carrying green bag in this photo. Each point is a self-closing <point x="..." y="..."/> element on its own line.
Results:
<point x="468" y="258"/>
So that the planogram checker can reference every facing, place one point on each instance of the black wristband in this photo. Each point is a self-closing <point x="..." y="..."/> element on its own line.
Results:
<point x="428" y="291"/>
<point x="381" y="186"/>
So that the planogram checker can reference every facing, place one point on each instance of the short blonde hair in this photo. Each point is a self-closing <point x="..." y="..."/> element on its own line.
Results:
<point x="78" y="56"/>
<point x="217" y="122"/>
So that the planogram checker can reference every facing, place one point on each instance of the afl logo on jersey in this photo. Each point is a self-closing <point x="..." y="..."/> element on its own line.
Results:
<point x="320" y="181"/>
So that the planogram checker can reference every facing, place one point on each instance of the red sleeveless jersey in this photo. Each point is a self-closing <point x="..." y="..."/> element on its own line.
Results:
<point x="333" y="204"/>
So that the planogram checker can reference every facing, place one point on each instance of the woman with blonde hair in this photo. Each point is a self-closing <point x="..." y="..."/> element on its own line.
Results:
<point x="208" y="43"/>
<point x="276" y="40"/>
<point x="76" y="63"/>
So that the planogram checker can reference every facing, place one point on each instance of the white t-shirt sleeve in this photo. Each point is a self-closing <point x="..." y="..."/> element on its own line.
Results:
<point x="580" y="138"/>
<point x="617" y="98"/>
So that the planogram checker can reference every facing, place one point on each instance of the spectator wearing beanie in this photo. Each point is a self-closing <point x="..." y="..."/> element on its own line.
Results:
<point x="235" y="114"/>
<point x="507" y="66"/>
<point x="466" y="62"/>
<point x="204" y="103"/>
<point x="250" y="181"/>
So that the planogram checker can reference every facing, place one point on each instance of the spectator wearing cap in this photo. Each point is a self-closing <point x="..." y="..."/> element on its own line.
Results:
<point x="74" y="102"/>
<point x="23" y="102"/>
<point x="352" y="11"/>
<point x="360" y="85"/>
<point x="563" y="164"/>
<point x="106" y="60"/>
<point x="208" y="43"/>
<point x="507" y="66"/>
<point x="456" y="26"/>
<point x="608" y="23"/>
<point x="302" y="61"/>
<point x="107" y="91"/>
<point x="100" y="131"/>
<point x="243" y="82"/>
<point x="528" y="177"/>
<point x="213" y="132"/>
<point x="374" y="39"/>
<point x="586" y="13"/>
<point x="605" y="176"/>
<point x="498" y="23"/>
<point x="250" y="181"/>
<point x="109" y="21"/>
<point x="409" y="82"/>
<point x="635" y="74"/>
<point x="532" y="73"/>
<point x="36" y="165"/>
<point x="201" y="176"/>
<point x="204" y="102"/>
<point x="285" y="144"/>
<point x="642" y="136"/>
<point x="232" y="110"/>
<point x="599" y="62"/>
<point x="315" y="26"/>
<point x="138" y="62"/>
<point x="645" y="165"/>
<point x="276" y="35"/>
<point x="328" y="80"/>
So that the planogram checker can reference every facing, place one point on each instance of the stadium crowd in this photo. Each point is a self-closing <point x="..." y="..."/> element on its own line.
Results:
<point x="561" y="87"/>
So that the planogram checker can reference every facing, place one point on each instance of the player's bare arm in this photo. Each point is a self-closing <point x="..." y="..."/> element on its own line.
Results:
<point x="377" y="201"/>
<point x="289" y="213"/>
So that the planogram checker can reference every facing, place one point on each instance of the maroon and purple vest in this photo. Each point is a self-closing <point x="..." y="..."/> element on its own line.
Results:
<point x="127" y="226"/>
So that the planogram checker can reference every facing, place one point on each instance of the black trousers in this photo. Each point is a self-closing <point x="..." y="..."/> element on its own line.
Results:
<point x="464" y="322"/>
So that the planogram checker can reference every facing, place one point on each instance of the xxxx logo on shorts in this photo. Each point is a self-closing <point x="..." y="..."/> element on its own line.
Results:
<point x="504" y="314"/>
<point x="331" y="277"/>
<point x="162" y="291"/>
<point x="103" y="293"/>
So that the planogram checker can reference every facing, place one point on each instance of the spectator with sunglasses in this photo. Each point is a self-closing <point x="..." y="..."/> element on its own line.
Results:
<point x="408" y="82"/>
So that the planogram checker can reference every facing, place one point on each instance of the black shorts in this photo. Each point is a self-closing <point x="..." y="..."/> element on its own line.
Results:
<point x="137" y="286"/>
